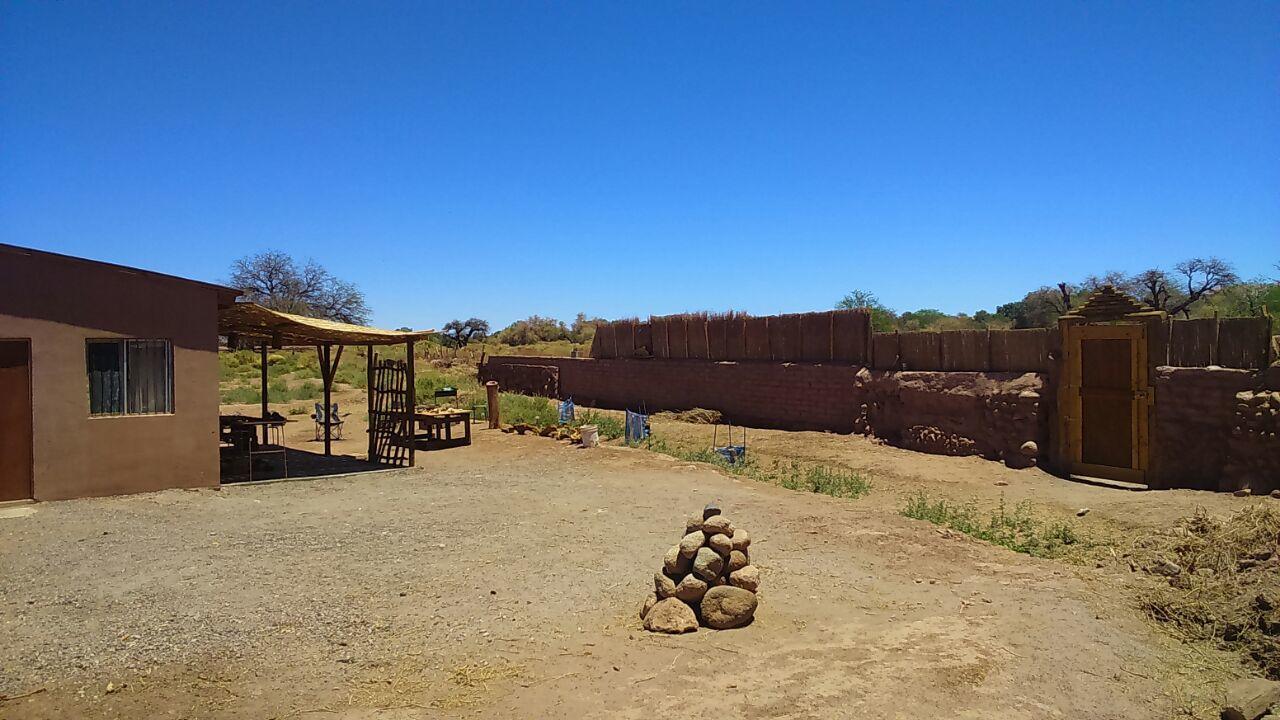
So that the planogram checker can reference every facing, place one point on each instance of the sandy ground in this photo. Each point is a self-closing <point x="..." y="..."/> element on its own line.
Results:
<point x="504" y="580"/>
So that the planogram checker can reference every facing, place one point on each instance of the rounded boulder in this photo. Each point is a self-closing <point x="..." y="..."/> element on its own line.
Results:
<point x="727" y="607"/>
<point x="721" y="544"/>
<point x="670" y="616"/>
<point x="664" y="586"/>
<point x="690" y="543"/>
<point x="674" y="563"/>
<point x="738" y="559"/>
<point x="708" y="564"/>
<point x="717" y="524"/>
<point x="747" y="578"/>
<point x="741" y="540"/>
<point x="691" y="589"/>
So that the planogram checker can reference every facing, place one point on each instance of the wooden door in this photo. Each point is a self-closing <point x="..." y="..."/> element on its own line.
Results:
<point x="1108" y="423"/>
<point x="15" y="420"/>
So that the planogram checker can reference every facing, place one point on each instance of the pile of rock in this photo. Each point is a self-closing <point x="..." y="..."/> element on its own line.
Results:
<point x="707" y="579"/>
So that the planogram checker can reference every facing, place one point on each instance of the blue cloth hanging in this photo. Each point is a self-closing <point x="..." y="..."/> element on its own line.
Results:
<point x="637" y="427"/>
<point x="566" y="411"/>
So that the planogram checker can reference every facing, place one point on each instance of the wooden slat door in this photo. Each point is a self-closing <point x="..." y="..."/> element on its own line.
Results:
<point x="1108" y="425"/>
<point x="15" y="420"/>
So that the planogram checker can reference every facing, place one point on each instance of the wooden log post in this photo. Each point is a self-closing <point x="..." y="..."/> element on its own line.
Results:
<point x="326" y="373"/>
<point x="369" y="360"/>
<point x="495" y="413"/>
<point x="411" y="402"/>
<point x="262" y="359"/>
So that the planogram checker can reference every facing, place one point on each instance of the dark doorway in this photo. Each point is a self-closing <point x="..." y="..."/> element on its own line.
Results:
<point x="15" y="420"/>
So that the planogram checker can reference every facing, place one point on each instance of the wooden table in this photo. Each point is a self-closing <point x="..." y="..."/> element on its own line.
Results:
<point x="438" y="427"/>
<point x="228" y="425"/>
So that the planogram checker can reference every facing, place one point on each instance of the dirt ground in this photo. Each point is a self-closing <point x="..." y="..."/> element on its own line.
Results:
<point x="504" y="580"/>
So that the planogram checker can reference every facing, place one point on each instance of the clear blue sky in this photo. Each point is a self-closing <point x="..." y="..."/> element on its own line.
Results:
<point x="502" y="159"/>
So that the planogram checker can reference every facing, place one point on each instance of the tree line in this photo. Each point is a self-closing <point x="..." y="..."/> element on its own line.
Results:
<point x="1198" y="287"/>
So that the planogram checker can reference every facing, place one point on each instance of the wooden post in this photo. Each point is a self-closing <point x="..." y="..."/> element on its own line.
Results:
<point x="326" y="372"/>
<point x="495" y="412"/>
<point x="411" y="401"/>
<point x="262" y="358"/>
<point x="368" y="388"/>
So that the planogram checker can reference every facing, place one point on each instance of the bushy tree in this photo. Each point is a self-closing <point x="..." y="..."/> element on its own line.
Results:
<point x="459" y="333"/>
<point x="275" y="280"/>
<point x="882" y="318"/>
<point x="531" y="330"/>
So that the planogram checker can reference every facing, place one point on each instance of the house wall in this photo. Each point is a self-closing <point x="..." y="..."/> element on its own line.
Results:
<point x="58" y="303"/>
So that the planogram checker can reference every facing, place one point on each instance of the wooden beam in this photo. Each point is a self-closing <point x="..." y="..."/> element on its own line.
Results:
<point x="411" y="403"/>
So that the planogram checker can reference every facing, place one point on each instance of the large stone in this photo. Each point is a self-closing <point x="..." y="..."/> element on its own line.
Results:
<point x="674" y="563"/>
<point x="691" y="589"/>
<point x="708" y="564"/>
<point x="690" y="543"/>
<point x="712" y="508"/>
<point x="1029" y="448"/>
<point x="670" y="616"/>
<point x="720" y="543"/>
<point x="737" y="560"/>
<point x="693" y="524"/>
<point x="664" y="586"/>
<point x="649" y="602"/>
<point x="741" y="540"/>
<point x="717" y="524"/>
<point x="727" y="607"/>
<point x="747" y="578"/>
<point x="1250" y="698"/>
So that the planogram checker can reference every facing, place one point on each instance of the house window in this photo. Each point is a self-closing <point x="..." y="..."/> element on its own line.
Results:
<point x="129" y="377"/>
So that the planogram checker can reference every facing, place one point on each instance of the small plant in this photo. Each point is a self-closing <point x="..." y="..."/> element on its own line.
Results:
<point x="1019" y="530"/>
<point x="609" y="426"/>
<point x="835" y="482"/>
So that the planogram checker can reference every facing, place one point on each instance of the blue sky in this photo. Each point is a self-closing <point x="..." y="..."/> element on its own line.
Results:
<point x="503" y="159"/>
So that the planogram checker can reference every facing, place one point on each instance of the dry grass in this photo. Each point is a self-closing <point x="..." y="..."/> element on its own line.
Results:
<point x="696" y="416"/>
<point x="412" y="684"/>
<point x="1223" y="581"/>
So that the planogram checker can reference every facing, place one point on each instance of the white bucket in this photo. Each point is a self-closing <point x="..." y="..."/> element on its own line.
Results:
<point x="590" y="436"/>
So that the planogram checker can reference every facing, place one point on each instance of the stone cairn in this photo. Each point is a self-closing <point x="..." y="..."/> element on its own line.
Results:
<point x="707" y="579"/>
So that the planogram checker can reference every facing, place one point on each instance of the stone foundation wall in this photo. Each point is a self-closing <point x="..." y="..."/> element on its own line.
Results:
<point x="956" y="413"/>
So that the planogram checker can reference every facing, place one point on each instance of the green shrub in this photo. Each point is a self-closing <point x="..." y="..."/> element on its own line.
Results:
<point x="827" y="481"/>
<point x="610" y="427"/>
<point x="1019" y="530"/>
<point x="241" y="395"/>
<point x="537" y="411"/>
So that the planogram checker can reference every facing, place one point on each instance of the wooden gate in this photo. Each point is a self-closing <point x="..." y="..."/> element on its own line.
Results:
<point x="389" y="425"/>
<point x="1107" y="398"/>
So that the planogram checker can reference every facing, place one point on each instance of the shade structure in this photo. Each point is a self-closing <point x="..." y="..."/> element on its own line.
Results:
<point x="250" y="320"/>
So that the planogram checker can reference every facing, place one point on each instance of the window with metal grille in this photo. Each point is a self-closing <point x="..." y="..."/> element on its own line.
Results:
<point x="129" y="377"/>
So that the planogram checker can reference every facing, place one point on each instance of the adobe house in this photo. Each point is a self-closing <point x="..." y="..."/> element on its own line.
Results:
<point x="108" y="378"/>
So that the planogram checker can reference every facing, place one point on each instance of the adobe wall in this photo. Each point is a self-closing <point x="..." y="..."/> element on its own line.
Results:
<point x="785" y="396"/>
<point x="1216" y="429"/>
<point x="58" y="305"/>
<point x="957" y="413"/>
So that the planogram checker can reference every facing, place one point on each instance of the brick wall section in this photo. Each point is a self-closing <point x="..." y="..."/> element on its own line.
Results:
<point x="1213" y="428"/>
<point x="786" y="396"/>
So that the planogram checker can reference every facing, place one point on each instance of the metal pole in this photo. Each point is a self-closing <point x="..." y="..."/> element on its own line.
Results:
<point x="495" y="419"/>
<point x="262" y="358"/>
<point x="327" y="373"/>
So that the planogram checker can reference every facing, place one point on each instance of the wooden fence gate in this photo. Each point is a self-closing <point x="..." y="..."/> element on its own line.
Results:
<point x="389" y="425"/>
